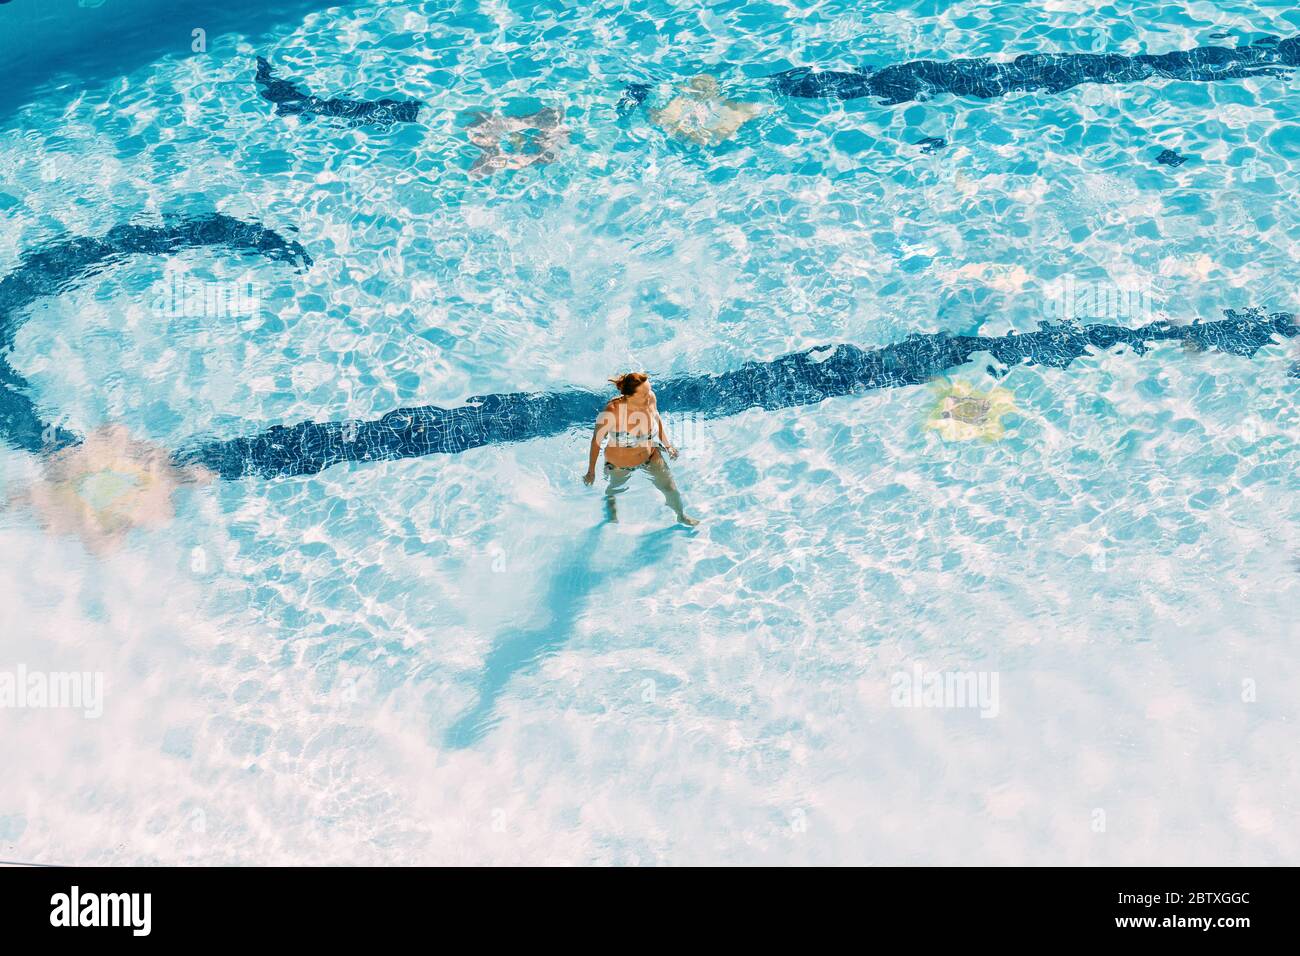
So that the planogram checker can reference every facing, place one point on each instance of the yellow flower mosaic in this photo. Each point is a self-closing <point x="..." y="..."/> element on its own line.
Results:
<point x="965" y="413"/>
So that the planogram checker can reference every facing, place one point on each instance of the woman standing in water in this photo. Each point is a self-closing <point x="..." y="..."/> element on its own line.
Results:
<point x="631" y="422"/>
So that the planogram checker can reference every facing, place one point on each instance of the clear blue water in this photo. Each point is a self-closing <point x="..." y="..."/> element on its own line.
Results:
<point x="451" y="659"/>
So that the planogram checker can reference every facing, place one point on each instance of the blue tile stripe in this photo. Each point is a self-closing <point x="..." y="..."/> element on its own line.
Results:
<point x="918" y="80"/>
<point x="58" y="266"/>
<point x="801" y="378"/>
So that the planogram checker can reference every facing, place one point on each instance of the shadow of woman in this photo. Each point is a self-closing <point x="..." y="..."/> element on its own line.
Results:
<point x="567" y="595"/>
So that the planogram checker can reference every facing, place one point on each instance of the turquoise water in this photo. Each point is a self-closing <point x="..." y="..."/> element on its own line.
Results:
<point x="450" y="659"/>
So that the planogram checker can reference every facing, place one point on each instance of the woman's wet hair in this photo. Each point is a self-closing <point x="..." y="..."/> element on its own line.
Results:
<point x="628" y="384"/>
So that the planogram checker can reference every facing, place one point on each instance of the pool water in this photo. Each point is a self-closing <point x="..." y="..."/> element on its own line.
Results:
<point x="453" y="659"/>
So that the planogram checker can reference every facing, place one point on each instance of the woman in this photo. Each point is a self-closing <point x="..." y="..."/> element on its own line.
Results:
<point x="631" y="423"/>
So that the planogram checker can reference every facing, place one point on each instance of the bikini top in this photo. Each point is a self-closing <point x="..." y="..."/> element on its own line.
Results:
<point x="630" y="440"/>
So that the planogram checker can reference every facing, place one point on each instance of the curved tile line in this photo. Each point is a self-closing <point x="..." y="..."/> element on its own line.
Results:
<point x="289" y="100"/>
<point x="1050" y="72"/>
<point x="59" y="266"/>
<point x="802" y="378"/>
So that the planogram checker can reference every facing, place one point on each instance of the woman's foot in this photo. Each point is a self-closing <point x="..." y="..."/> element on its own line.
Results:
<point x="687" y="520"/>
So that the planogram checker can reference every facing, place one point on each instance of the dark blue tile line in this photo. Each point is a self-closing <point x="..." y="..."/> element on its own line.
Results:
<point x="803" y="378"/>
<point x="290" y="100"/>
<point x="56" y="267"/>
<point x="1050" y="72"/>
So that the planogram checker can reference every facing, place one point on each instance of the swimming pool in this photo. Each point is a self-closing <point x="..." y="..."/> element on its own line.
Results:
<point x="999" y="559"/>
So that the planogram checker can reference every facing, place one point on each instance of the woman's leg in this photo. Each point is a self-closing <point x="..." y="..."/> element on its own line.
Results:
<point x="657" y="468"/>
<point x="618" y="479"/>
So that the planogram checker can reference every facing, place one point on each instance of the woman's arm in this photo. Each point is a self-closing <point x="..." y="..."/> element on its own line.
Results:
<point x="663" y="431"/>
<point x="597" y="437"/>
